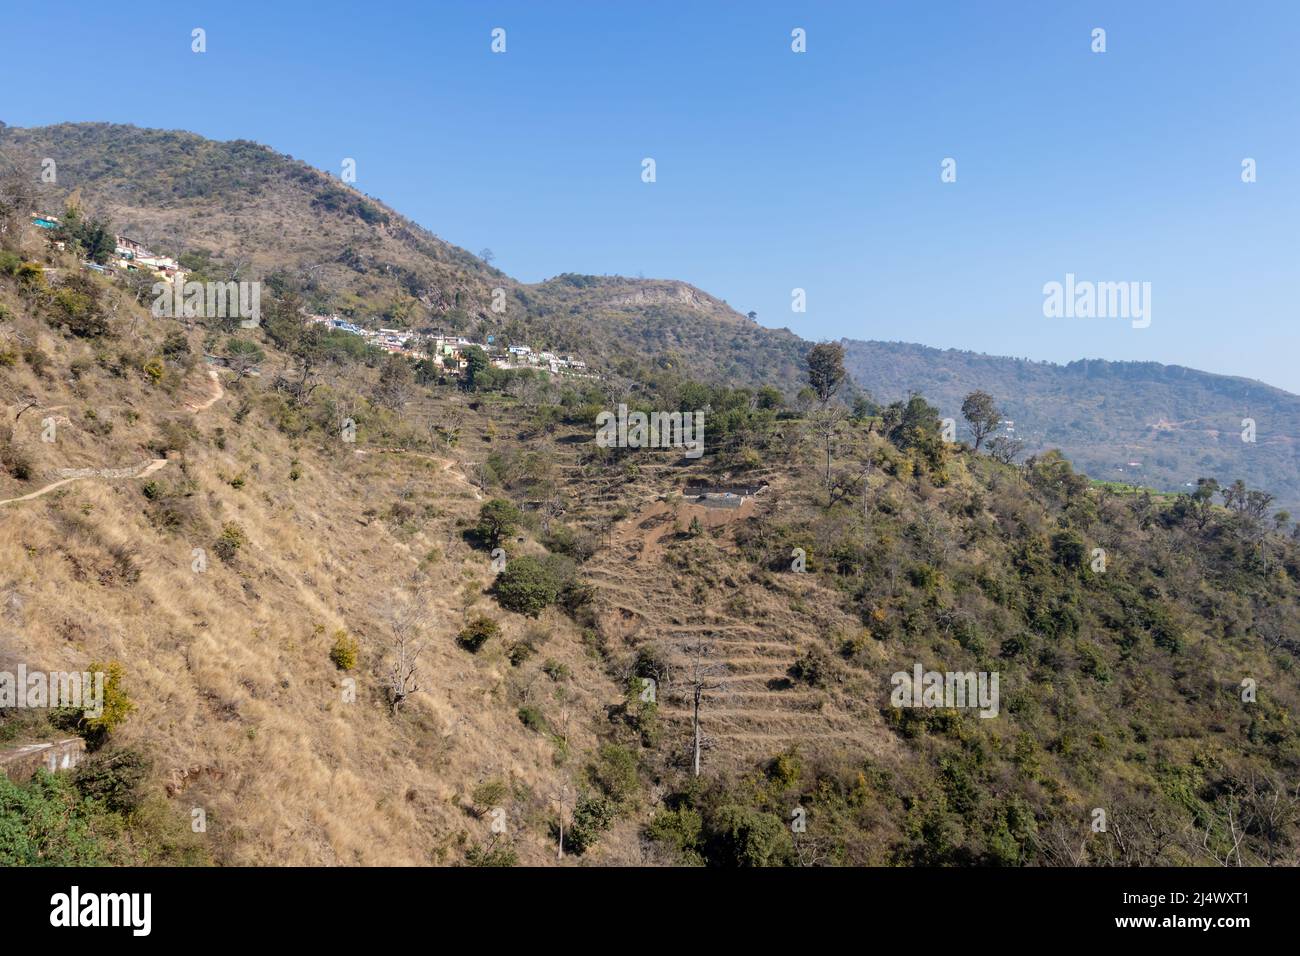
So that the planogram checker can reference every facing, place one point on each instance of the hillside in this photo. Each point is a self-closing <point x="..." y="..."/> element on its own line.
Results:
<point x="1177" y="424"/>
<point x="240" y="210"/>
<point x="363" y="612"/>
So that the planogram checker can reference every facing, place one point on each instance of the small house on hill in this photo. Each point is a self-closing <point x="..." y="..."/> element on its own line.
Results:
<point x="722" y="496"/>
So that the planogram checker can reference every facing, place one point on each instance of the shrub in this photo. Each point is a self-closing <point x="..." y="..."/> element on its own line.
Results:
<point x="37" y="359"/>
<point x="172" y="436"/>
<point x="592" y="816"/>
<point x="117" y="705"/>
<point x="112" y="778"/>
<point x="42" y="823"/>
<point x="741" y="836"/>
<point x="532" y="718"/>
<point x="555" y="670"/>
<point x="12" y="458"/>
<point x="813" y="668"/>
<point x="477" y="633"/>
<point x="528" y="585"/>
<point x="679" y="829"/>
<point x="345" y="650"/>
<point x="231" y="540"/>
<point x="520" y="652"/>
<point x="577" y="544"/>
<point x="491" y="855"/>
<point x="31" y="274"/>
<point x="76" y="304"/>
<point x="615" y="772"/>
<point x="489" y="794"/>
<point x="1068" y="549"/>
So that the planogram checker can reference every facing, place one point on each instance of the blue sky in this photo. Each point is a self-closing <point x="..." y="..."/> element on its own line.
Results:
<point x="775" y="170"/>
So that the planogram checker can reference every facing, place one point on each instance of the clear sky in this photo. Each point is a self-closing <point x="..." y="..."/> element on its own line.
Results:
<point x="775" y="170"/>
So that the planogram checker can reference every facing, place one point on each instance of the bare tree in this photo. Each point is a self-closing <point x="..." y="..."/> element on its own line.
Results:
<point x="552" y="505"/>
<point x="1221" y="837"/>
<point x="700" y="674"/>
<point x="826" y="422"/>
<point x="1005" y="449"/>
<point x="17" y="197"/>
<point x="1270" y="813"/>
<point x="1138" y="834"/>
<point x="560" y="795"/>
<point x="446" y="424"/>
<point x="408" y="625"/>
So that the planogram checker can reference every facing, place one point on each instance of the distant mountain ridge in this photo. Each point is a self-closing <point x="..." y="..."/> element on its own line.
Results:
<point x="1178" y="423"/>
<point x="240" y="209"/>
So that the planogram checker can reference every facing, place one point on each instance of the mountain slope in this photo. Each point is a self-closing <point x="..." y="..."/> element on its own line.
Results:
<point x="311" y="530"/>
<point x="1179" y="424"/>
<point x="237" y="208"/>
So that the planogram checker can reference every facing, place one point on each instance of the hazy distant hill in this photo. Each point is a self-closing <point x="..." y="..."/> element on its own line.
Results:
<point x="1178" y="423"/>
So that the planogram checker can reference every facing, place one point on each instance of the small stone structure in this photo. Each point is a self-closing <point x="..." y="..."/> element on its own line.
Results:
<point x="722" y="496"/>
<point x="19" y="763"/>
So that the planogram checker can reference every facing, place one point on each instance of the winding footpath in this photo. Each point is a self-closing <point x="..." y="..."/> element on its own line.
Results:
<point x="148" y="468"/>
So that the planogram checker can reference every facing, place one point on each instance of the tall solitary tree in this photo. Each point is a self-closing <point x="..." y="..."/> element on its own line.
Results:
<point x="825" y="376"/>
<point x="981" y="415"/>
<point x="826" y="370"/>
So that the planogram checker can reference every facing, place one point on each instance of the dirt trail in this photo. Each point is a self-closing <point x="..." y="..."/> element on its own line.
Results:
<point x="217" y="394"/>
<point x="151" y="466"/>
<point x="644" y="531"/>
<point x="447" y="463"/>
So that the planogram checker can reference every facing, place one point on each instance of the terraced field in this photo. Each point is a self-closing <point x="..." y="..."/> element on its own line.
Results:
<point x="754" y="707"/>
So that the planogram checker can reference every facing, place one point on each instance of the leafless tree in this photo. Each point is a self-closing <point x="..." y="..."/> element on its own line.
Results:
<point x="1005" y="449"/>
<point x="1063" y="844"/>
<point x="1270" y="814"/>
<point x="825" y="423"/>
<point x="1221" y="836"/>
<point x="1138" y="834"/>
<point x="408" y="625"/>
<point x="561" y="796"/>
<point x="699" y="673"/>
<point x="552" y="506"/>
<point x="17" y="198"/>
<point x="446" y="424"/>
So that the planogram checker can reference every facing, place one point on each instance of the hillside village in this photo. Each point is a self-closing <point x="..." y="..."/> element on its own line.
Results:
<point x="447" y="352"/>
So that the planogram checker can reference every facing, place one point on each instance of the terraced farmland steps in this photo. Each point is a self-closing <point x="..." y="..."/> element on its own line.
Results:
<point x="755" y="709"/>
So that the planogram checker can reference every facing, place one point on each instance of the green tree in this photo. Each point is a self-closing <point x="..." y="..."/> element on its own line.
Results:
<point x="497" y="520"/>
<point x="478" y="365"/>
<point x="981" y="415"/>
<point x="528" y="585"/>
<point x="745" y="837"/>
<point x="826" y="370"/>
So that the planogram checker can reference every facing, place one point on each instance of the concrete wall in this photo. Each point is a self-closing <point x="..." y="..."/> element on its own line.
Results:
<point x="19" y="763"/>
